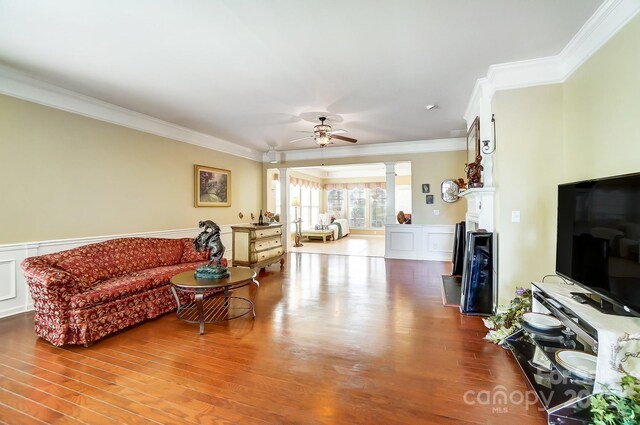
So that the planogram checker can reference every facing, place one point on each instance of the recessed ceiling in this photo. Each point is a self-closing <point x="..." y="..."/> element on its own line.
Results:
<point x="249" y="72"/>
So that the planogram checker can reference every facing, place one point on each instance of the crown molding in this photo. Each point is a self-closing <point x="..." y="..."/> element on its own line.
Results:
<point x="16" y="84"/>
<point x="608" y="19"/>
<point x="375" y="149"/>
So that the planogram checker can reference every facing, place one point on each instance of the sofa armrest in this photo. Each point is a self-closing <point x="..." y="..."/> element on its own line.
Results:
<point x="38" y="270"/>
<point x="50" y="288"/>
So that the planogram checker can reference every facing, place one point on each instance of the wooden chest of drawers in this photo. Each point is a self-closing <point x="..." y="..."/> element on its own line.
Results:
<point x="257" y="246"/>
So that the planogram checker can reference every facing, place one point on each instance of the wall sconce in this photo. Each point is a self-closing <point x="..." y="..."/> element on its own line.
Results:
<point x="485" y="143"/>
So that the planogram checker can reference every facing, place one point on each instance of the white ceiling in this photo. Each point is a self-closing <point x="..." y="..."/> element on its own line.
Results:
<point x="248" y="72"/>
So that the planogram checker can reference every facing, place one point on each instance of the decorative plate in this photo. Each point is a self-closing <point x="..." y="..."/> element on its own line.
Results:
<point x="449" y="190"/>
<point x="542" y="321"/>
<point x="578" y="362"/>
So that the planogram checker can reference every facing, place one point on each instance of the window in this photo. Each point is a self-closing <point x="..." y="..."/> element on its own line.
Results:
<point x="377" y="207"/>
<point x="357" y="210"/>
<point x="363" y="208"/>
<point x="309" y="204"/>
<point x="335" y="202"/>
<point x="315" y="205"/>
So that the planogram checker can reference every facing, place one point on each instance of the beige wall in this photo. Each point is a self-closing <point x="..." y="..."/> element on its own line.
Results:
<point x="602" y="110"/>
<point x="584" y="128"/>
<point x="66" y="176"/>
<point x="434" y="168"/>
<point x="527" y="166"/>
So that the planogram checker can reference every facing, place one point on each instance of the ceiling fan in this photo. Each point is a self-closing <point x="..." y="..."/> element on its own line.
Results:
<point x="322" y="134"/>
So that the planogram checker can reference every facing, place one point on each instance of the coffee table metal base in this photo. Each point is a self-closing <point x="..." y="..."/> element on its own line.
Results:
<point x="213" y="309"/>
<point x="212" y="300"/>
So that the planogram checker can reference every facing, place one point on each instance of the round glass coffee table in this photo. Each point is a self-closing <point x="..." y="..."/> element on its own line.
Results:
<point x="215" y="307"/>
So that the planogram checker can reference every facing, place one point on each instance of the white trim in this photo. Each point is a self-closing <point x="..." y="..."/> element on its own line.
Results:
<point x="14" y="83"/>
<point x="375" y="149"/>
<point x="15" y="310"/>
<point x="174" y="233"/>
<point x="11" y="282"/>
<point x="610" y="17"/>
<point x="17" y="252"/>
<point x="432" y="242"/>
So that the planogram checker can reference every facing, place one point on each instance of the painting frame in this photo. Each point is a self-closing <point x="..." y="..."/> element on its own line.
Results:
<point x="212" y="186"/>
<point x="473" y="141"/>
<point x="426" y="188"/>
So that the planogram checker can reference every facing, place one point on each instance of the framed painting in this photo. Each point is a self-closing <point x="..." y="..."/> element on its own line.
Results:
<point x="473" y="141"/>
<point x="212" y="187"/>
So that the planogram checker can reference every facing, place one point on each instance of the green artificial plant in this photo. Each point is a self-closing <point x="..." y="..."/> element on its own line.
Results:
<point x="504" y="323"/>
<point x="611" y="408"/>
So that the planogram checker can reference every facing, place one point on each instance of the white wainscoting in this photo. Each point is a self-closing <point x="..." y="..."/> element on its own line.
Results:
<point x="419" y="241"/>
<point x="14" y="293"/>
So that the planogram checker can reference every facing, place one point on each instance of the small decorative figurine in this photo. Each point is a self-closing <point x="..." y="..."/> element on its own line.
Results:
<point x="209" y="238"/>
<point x="462" y="185"/>
<point x="474" y="173"/>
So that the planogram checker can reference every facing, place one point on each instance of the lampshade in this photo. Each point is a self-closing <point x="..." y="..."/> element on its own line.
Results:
<point x="295" y="202"/>
<point x="323" y="139"/>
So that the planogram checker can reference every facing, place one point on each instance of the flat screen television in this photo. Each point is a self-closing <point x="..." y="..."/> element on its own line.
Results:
<point x="598" y="241"/>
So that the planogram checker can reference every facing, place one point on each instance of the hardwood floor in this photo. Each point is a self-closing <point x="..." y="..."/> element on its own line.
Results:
<point x="352" y="244"/>
<point x="337" y="340"/>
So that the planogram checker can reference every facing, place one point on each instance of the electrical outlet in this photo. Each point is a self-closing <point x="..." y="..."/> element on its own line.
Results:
<point x="436" y="212"/>
<point x="515" y="216"/>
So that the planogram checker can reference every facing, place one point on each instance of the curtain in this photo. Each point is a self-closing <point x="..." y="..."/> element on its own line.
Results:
<point x="298" y="181"/>
<point x="367" y="185"/>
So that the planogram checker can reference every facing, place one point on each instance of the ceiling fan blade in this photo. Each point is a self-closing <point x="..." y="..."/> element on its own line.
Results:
<point x="304" y="131"/>
<point x="337" y="131"/>
<point x="346" y="139"/>
<point x="302" y="138"/>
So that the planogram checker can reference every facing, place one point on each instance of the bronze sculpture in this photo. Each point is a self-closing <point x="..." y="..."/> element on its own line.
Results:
<point x="209" y="238"/>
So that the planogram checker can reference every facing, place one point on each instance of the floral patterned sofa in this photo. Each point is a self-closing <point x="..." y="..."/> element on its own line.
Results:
<point x="82" y="294"/>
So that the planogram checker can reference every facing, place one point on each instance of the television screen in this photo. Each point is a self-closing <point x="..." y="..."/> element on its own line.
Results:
<point x="598" y="237"/>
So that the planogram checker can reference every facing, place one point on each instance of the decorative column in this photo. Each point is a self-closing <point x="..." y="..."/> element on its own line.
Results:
<point x="486" y="133"/>
<point x="284" y="207"/>
<point x="390" y="217"/>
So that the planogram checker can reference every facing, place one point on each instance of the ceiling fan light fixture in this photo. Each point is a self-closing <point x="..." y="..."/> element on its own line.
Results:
<point x="323" y="139"/>
<point x="322" y="128"/>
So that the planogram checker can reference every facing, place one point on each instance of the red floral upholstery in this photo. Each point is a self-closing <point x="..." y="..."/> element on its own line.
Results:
<point x="83" y="294"/>
<point x="189" y="253"/>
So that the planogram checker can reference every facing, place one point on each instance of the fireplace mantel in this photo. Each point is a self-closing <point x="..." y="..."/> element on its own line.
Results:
<point x="479" y="208"/>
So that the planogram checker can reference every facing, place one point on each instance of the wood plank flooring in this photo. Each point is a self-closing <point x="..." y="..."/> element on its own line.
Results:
<point x="352" y="244"/>
<point x="337" y="340"/>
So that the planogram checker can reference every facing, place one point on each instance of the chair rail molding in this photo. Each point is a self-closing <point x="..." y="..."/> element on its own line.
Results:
<point x="14" y="292"/>
<point x="419" y="241"/>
